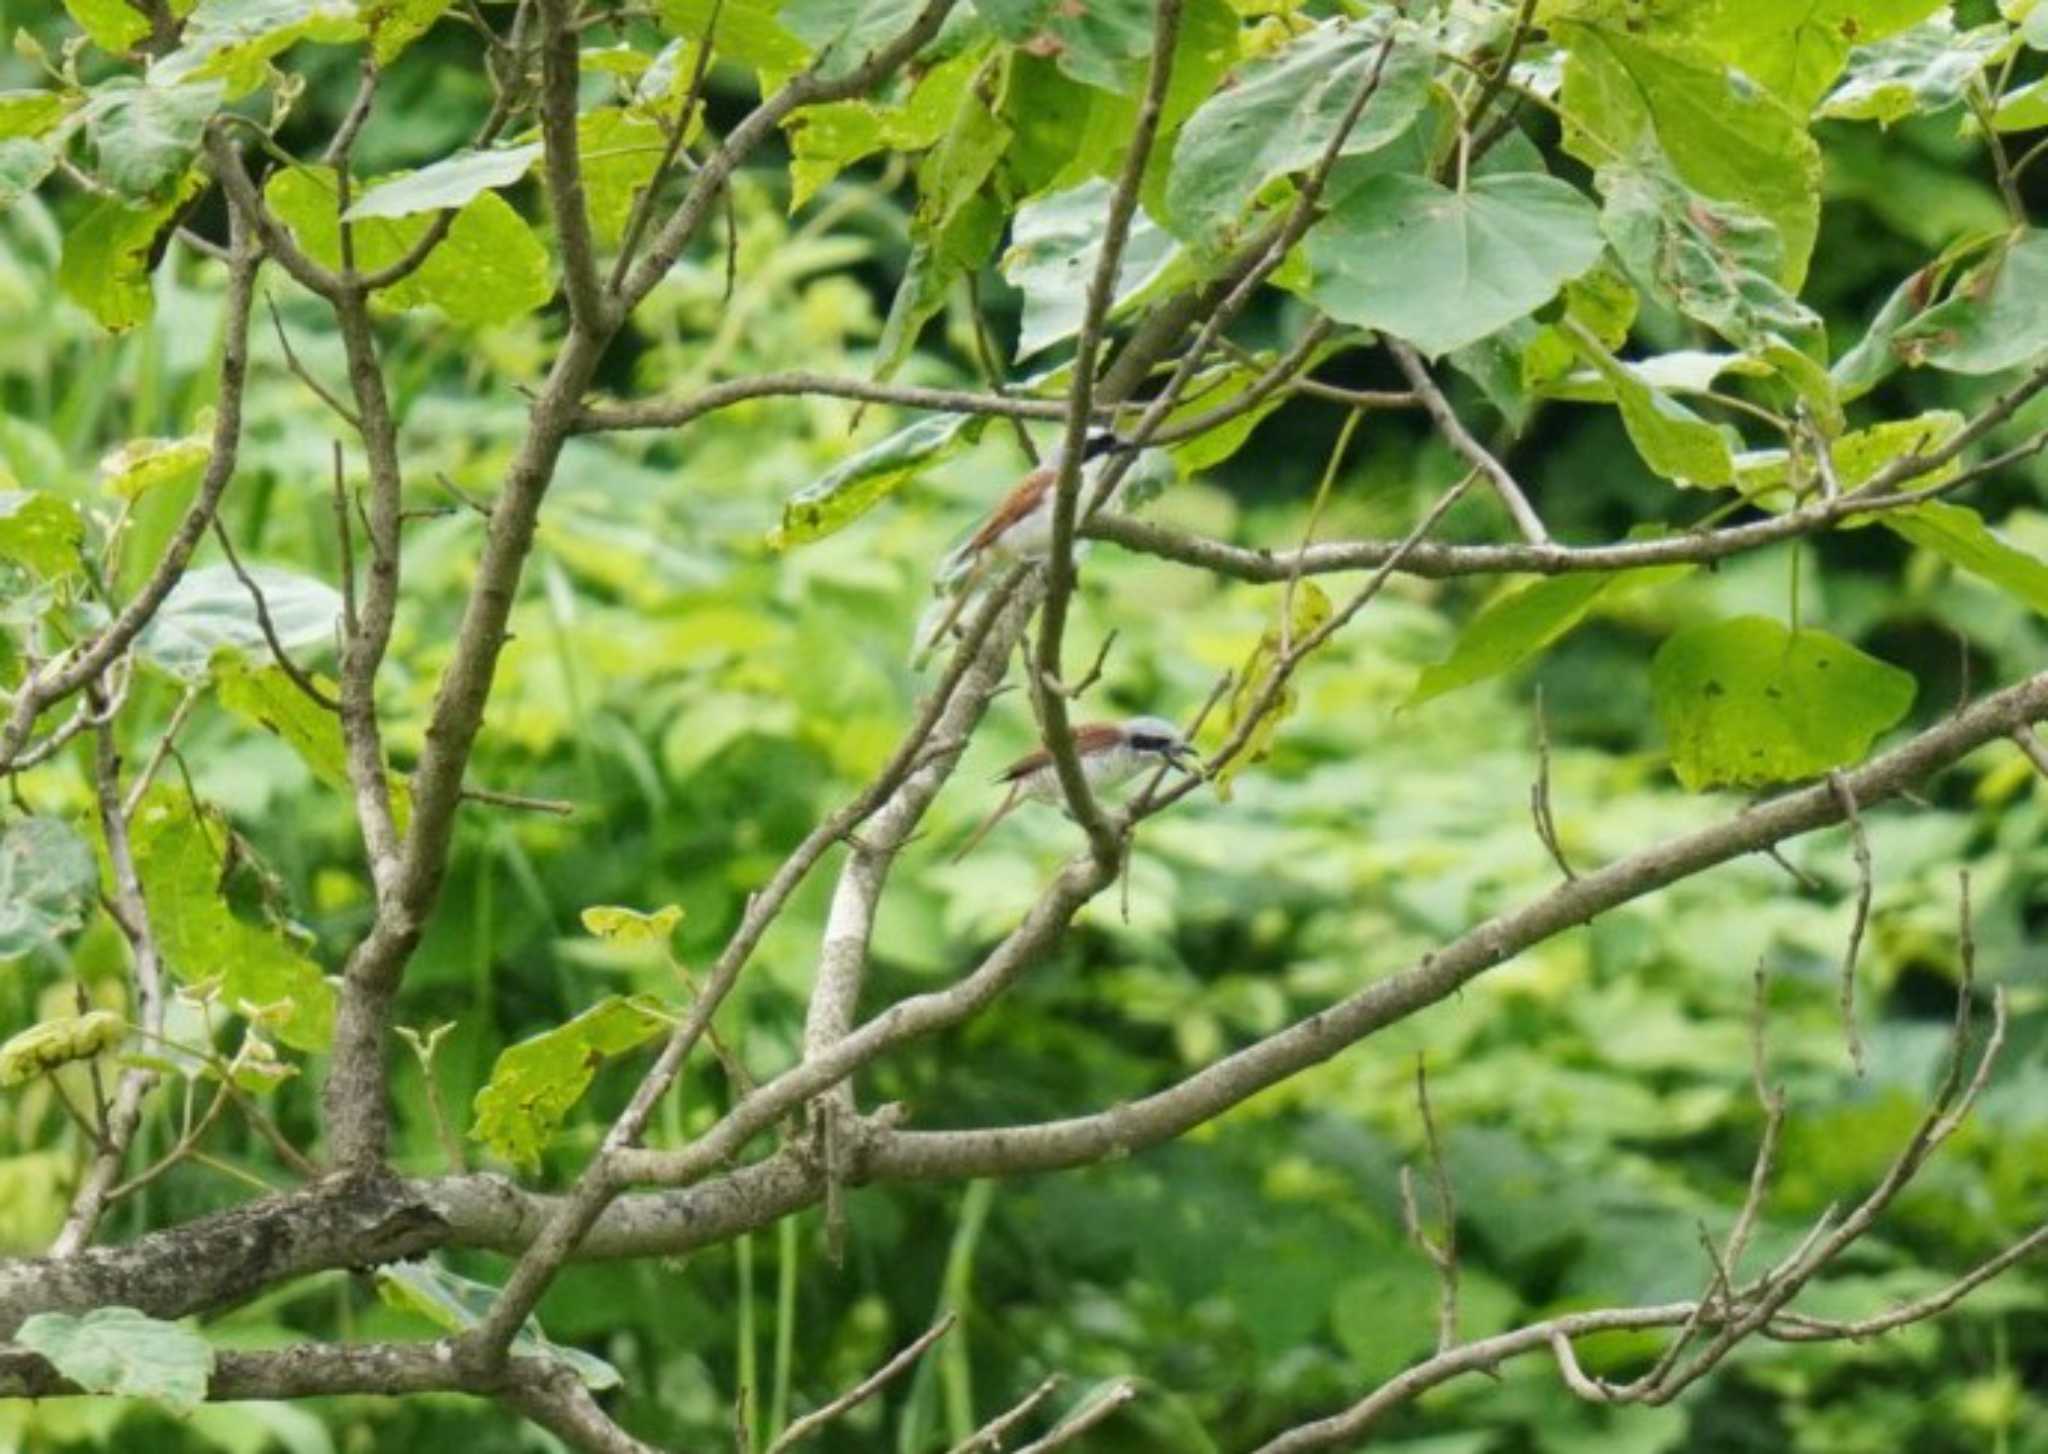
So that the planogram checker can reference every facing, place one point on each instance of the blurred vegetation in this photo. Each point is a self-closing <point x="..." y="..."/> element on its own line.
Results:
<point x="702" y="699"/>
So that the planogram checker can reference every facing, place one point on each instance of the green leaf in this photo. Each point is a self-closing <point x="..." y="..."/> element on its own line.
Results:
<point x="456" y="1304"/>
<point x="857" y="485"/>
<point x="1602" y="301"/>
<point x="1673" y="441"/>
<point x="262" y="695"/>
<point x="1959" y="535"/>
<point x="490" y="268"/>
<point x="31" y="113"/>
<point x="1101" y="43"/>
<point x="1725" y="138"/>
<point x="1716" y="262"/>
<point x="1924" y="69"/>
<point x="236" y="40"/>
<point x="1310" y="609"/>
<point x="49" y="881"/>
<point x="105" y="267"/>
<point x="448" y="184"/>
<point x="23" y="165"/>
<point x="1443" y="269"/>
<point x="122" y="1351"/>
<point x="1861" y="453"/>
<point x="748" y="32"/>
<point x="182" y="858"/>
<point x="1747" y="702"/>
<point x="1055" y="246"/>
<point x="2024" y="108"/>
<point x="1279" y="115"/>
<point x="67" y="1038"/>
<point x="1873" y="359"/>
<point x="842" y="34"/>
<point x="142" y="465"/>
<point x="936" y="263"/>
<point x="1517" y="625"/>
<point x="620" y="150"/>
<point x="396" y="24"/>
<point x="1995" y="318"/>
<point x="534" y="1083"/>
<point x="630" y="926"/>
<point x="1797" y="50"/>
<point x="113" y="26"/>
<point x="41" y="532"/>
<point x="210" y="609"/>
<point x="954" y="170"/>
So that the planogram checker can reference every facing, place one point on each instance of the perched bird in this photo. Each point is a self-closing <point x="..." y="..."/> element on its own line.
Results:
<point x="1111" y="753"/>
<point x="1017" y="529"/>
<point x="1020" y="525"/>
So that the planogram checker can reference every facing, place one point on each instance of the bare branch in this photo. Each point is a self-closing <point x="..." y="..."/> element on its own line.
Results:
<point x="867" y="1388"/>
<point x="1075" y="1425"/>
<point x="560" y="74"/>
<point x="1475" y="454"/>
<point x="1539" y="796"/>
<point x="294" y="673"/>
<point x="990" y="1435"/>
<point x="1859" y="843"/>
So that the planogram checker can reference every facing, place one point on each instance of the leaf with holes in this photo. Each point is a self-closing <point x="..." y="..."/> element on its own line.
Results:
<point x="1443" y="269"/>
<point x="1747" y="702"/>
<point x="235" y="40"/>
<point x="536" y="1082"/>
<point x="48" y="883"/>
<point x="123" y="1351"/>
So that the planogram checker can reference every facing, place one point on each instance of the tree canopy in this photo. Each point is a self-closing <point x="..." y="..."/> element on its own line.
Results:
<point x="493" y="698"/>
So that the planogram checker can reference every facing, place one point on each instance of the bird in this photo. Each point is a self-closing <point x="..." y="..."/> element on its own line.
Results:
<point x="1110" y="754"/>
<point x="1016" y="530"/>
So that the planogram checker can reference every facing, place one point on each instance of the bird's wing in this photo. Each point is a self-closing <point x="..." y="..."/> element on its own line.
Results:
<point x="1088" y="737"/>
<point x="1012" y="508"/>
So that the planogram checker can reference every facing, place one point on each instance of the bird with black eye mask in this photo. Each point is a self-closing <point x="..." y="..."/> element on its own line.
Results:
<point x="1110" y="754"/>
<point x="1018" y="529"/>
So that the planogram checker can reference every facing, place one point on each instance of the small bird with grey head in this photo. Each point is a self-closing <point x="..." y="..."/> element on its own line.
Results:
<point x="1110" y="754"/>
<point x="1017" y="529"/>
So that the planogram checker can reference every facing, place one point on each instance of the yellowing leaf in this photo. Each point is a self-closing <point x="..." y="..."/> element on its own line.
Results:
<point x="536" y="1082"/>
<point x="57" y="1042"/>
<point x="147" y="464"/>
<point x="1747" y="703"/>
<point x="1311" y="608"/>
<point x="630" y="926"/>
<point x="489" y="269"/>
<point x="181" y="857"/>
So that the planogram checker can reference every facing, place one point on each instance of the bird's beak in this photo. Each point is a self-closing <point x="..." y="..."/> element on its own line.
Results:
<point x="1184" y="757"/>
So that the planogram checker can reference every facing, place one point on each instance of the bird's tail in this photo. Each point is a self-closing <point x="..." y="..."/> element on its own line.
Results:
<point x="1001" y="812"/>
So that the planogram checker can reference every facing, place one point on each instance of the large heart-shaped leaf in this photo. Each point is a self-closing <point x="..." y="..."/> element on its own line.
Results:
<point x="1279" y="115"/>
<point x="1445" y="268"/>
<point x="1747" y="702"/>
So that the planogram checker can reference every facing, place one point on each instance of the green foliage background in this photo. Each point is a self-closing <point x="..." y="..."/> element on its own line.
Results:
<point x="703" y="698"/>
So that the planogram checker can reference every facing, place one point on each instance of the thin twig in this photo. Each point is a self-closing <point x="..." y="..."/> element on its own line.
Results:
<point x="1539" y="795"/>
<point x="866" y="1389"/>
<point x="1859" y="844"/>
